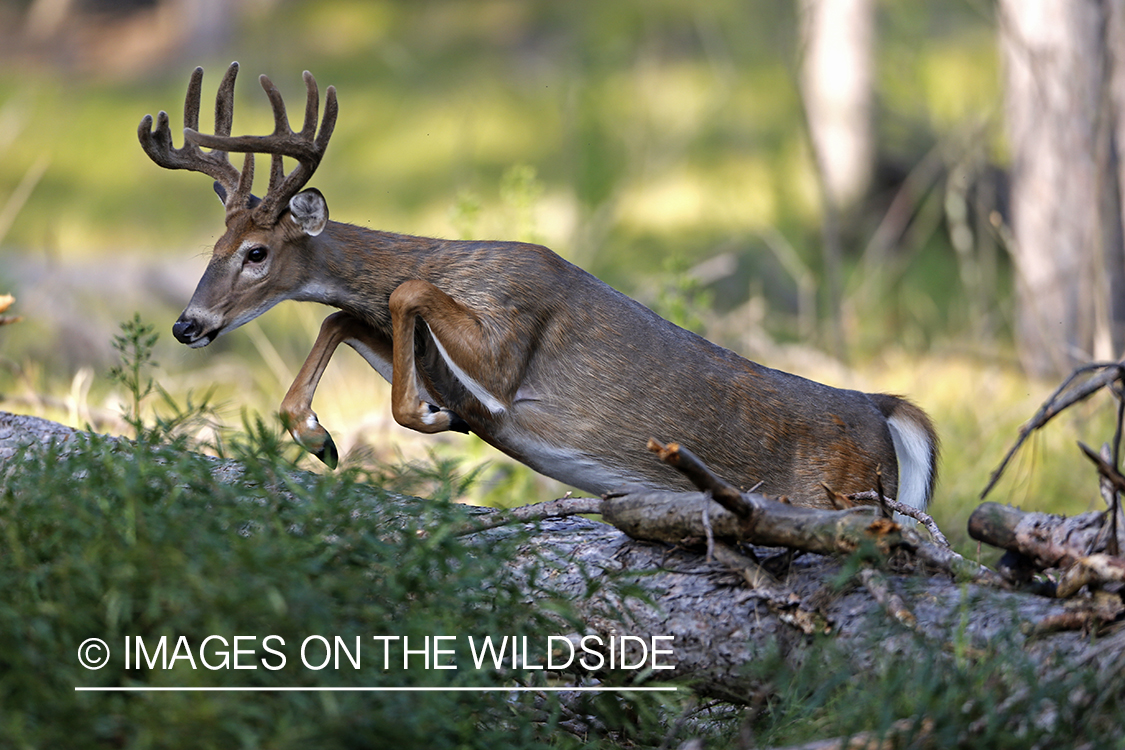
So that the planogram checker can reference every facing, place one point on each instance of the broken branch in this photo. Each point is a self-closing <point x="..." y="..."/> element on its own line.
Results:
<point x="1047" y="540"/>
<point x="563" y="506"/>
<point x="1056" y="403"/>
<point x="699" y="474"/>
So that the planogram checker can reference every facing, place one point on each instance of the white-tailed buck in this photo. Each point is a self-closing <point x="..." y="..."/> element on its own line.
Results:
<point x="513" y="343"/>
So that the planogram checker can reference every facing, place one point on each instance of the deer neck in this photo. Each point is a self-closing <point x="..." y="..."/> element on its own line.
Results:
<point x="355" y="269"/>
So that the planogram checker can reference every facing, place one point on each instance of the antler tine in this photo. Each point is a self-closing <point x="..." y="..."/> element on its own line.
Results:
<point x="306" y="146"/>
<point x="312" y="106"/>
<point x="224" y="102"/>
<point x="314" y="147"/>
<point x="308" y="132"/>
<point x="241" y="195"/>
<point x="328" y="124"/>
<point x="157" y="142"/>
<point x="277" y="103"/>
<point x="191" y="101"/>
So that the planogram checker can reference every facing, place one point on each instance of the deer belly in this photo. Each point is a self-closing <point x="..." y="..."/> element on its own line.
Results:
<point x="572" y="466"/>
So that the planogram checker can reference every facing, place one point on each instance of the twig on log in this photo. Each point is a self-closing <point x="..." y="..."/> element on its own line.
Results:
<point x="1079" y="619"/>
<point x="1106" y="469"/>
<point x="754" y="574"/>
<point x="563" y="506"/>
<point x="1058" y="401"/>
<point x="709" y="532"/>
<point x="1112" y="484"/>
<point x="1094" y="571"/>
<point x="944" y="558"/>
<point x="909" y="511"/>
<point x="882" y="497"/>
<point x="1084" y="614"/>
<point x="876" y="584"/>
<point x="1115" y="460"/>
<point x="837" y="500"/>
<point x="1108" y="537"/>
<point x="786" y="605"/>
<point x="699" y="474"/>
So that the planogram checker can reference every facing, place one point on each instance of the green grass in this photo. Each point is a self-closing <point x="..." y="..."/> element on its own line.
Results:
<point x="979" y="695"/>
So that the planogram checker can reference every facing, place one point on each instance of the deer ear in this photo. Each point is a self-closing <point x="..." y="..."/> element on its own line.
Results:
<point x="309" y="210"/>
<point x="222" y="193"/>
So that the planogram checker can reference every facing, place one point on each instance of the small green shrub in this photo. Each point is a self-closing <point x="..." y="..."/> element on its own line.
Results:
<point x="125" y="540"/>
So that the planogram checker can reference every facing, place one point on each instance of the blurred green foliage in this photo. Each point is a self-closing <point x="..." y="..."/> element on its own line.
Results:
<point x="638" y="139"/>
<point x="656" y="129"/>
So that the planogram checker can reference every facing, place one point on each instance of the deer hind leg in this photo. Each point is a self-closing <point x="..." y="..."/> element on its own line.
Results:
<point x="453" y="328"/>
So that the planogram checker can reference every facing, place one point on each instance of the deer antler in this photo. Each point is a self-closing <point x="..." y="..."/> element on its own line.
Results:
<point x="216" y="164"/>
<point x="306" y="146"/>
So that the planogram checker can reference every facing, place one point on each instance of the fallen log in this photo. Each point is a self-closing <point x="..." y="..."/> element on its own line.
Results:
<point x="1046" y="540"/>
<point x="725" y="621"/>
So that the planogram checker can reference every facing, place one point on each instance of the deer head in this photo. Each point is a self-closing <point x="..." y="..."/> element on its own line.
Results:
<point x="256" y="263"/>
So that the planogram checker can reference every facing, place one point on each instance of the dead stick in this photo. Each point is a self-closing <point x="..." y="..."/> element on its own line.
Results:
<point x="1108" y="472"/>
<point x="951" y="562"/>
<point x="688" y="464"/>
<point x="877" y="585"/>
<point x="1056" y="403"/>
<point x="909" y="511"/>
<point x="1108" y="536"/>
<point x="563" y="506"/>
<point x="754" y="574"/>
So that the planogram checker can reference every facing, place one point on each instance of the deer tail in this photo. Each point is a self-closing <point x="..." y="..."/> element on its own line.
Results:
<point x="916" y="447"/>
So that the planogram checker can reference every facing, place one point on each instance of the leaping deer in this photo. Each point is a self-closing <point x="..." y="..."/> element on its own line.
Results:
<point x="511" y="342"/>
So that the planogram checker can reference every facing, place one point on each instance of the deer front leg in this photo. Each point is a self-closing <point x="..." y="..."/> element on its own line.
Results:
<point x="455" y="330"/>
<point x="296" y="408"/>
<point x="297" y="415"/>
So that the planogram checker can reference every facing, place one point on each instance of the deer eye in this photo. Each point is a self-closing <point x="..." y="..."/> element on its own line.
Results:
<point x="256" y="254"/>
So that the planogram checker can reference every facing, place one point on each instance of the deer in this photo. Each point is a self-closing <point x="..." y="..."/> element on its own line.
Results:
<point x="512" y="343"/>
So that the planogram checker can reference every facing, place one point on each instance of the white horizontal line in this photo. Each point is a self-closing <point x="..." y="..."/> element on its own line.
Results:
<point x="372" y="689"/>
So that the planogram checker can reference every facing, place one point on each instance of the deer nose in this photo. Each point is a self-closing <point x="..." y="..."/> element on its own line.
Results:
<point x="186" y="330"/>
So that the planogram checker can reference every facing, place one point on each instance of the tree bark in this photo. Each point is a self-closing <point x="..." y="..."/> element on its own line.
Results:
<point x="723" y="619"/>
<point x="1064" y="125"/>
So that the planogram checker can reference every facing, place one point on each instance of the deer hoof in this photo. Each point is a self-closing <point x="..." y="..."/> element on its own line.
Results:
<point x="328" y="453"/>
<point x="457" y="424"/>
<point x="310" y="435"/>
<point x="438" y="413"/>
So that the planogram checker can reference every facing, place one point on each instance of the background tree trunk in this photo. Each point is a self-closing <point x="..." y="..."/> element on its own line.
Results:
<point x="837" y="70"/>
<point x="837" y="85"/>
<point x="1065" y="127"/>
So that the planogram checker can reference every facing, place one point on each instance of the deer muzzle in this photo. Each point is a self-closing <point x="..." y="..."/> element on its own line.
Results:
<point x="188" y="330"/>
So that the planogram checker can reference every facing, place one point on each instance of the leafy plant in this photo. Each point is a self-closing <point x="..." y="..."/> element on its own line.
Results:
<point x="135" y="345"/>
<point x="145" y="542"/>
